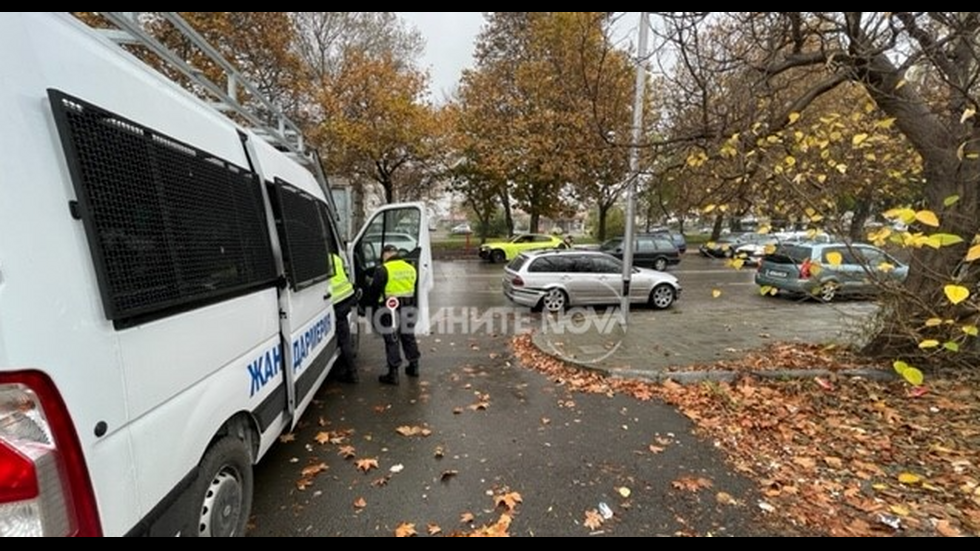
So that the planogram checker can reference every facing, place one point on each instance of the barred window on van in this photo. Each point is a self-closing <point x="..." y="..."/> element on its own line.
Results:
<point x="304" y="234"/>
<point x="170" y="226"/>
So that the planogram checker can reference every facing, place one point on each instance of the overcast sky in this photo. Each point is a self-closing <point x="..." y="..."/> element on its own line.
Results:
<point x="450" y="38"/>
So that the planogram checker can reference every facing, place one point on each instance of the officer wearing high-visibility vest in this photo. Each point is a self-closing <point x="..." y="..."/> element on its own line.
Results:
<point x="342" y="295"/>
<point x="395" y="278"/>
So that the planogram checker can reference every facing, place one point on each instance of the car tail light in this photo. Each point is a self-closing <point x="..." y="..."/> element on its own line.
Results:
<point x="805" y="269"/>
<point x="517" y="282"/>
<point x="44" y="485"/>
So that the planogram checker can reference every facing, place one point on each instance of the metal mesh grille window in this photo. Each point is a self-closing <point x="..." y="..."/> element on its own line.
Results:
<point x="303" y="233"/>
<point x="169" y="226"/>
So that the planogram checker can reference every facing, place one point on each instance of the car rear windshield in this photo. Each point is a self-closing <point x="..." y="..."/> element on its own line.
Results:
<point x="790" y="254"/>
<point x="518" y="263"/>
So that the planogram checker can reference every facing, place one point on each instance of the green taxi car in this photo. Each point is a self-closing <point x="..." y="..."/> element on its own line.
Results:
<point x="505" y="251"/>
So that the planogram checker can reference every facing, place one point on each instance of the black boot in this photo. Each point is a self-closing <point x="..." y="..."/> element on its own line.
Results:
<point x="391" y="378"/>
<point x="412" y="370"/>
<point x="349" y="377"/>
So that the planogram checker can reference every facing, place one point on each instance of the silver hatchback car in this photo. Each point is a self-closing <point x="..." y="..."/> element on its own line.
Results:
<point x="556" y="280"/>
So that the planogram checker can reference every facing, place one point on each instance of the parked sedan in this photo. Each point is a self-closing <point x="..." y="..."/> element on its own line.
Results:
<point x="502" y="251"/>
<point x="655" y="251"/>
<point x="828" y="270"/>
<point x="556" y="280"/>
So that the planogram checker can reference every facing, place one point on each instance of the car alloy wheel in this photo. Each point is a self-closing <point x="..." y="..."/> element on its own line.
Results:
<point x="554" y="300"/>
<point x="662" y="296"/>
<point x="829" y="291"/>
<point x="660" y="264"/>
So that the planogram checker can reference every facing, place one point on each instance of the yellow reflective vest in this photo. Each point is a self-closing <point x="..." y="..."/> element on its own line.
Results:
<point x="401" y="279"/>
<point x="340" y="286"/>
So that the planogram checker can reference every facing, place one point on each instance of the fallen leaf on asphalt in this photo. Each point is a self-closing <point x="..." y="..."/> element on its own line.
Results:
<point x="405" y="530"/>
<point x="433" y="529"/>
<point x="509" y="500"/>
<point x="288" y="437"/>
<point x="824" y="384"/>
<point x="381" y="408"/>
<point x="313" y="470"/>
<point x="413" y="431"/>
<point x="322" y="438"/>
<point x="360" y="503"/>
<point x="494" y="355"/>
<point x="691" y="484"/>
<point x="457" y="411"/>
<point x="379" y="482"/>
<point x="304" y="483"/>
<point x="322" y="422"/>
<point x="593" y="520"/>
<point x="397" y="468"/>
<point x="834" y="462"/>
<point x="466" y="518"/>
<point x="347" y="452"/>
<point x="479" y="406"/>
<point x="655" y="449"/>
<point x="365" y="465"/>
<point x="439" y="452"/>
<point x="446" y="475"/>
<point x="725" y="499"/>
<point x="624" y="492"/>
<point x="545" y="421"/>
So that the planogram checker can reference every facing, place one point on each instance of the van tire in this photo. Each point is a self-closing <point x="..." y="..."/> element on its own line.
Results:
<point x="224" y="488"/>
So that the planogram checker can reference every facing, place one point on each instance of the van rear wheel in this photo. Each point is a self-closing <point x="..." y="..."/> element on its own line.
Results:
<point x="224" y="488"/>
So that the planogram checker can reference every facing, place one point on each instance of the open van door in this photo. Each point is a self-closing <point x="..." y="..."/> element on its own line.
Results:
<point x="406" y="226"/>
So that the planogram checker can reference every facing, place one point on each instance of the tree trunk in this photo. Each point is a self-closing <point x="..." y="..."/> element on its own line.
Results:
<point x="862" y="211"/>
<point x="603" y="216"/>
<point x="508" y="214"/>
<point x="716" y="229"/>
<point x="535" y="222"/>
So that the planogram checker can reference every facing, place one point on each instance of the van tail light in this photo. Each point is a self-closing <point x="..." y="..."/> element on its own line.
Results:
<point x="805" y="269"/>
<point x="517" y="282"/>
<point x="45" y="488"/>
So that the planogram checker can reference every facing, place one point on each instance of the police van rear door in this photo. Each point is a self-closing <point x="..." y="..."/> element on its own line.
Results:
<point x="406" y="226"/>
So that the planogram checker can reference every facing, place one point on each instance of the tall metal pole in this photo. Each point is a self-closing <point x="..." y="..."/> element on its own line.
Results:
<point x="629" y="239"/>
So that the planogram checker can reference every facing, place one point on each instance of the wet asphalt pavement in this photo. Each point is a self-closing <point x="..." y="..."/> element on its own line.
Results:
<point x="495" y="427"/>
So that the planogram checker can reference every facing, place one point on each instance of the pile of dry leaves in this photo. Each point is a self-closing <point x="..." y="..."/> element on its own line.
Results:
<point x="835" y="455"/>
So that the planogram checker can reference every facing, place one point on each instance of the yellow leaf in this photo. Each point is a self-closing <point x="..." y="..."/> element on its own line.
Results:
<point x="951" y="346"/>
<point x="927" y="344"/>
<point x="968" y="114"/>
<point x="885" y="124"/>
<point x="790" y="161"/>
<point x="951" y="200"/>
<point x="708" y="209"/>
<point x="934" y="322"/>
<point x="900" y="84"/>
<point x="716" y="293"/>
<point x="946" y="239"/>
<point x="928" y="218"/>
<point x="956" y="294"/>
<point x="624" y="491"/>
<point x="961" y="151"/>
<point x="913" y="376"/>
<point x="886" y="267"/>
<point x="835" y="259"/>
<point x="909" y="478"/>
<point x="973" y="254"/>
<point x="971" y="330"/>
<point x="766" y="290"/>
<point x="900" y="510"/>
<point x="900" y="367"/>
<point x="738" y="263"/>
<point x="793" y="117"/>
<point x="859" y="139"/>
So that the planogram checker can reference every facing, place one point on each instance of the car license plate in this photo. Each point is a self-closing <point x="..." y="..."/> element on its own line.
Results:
<point x="776" y="273"/>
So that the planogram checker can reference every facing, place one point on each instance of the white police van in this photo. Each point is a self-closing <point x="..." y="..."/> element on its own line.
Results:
<point x="165" y="307"/>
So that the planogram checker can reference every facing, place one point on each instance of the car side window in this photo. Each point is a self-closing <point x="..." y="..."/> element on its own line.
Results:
<point x="662" y="244"/>
<point x="605" y="266"/>
<point x="646" y="245"/>
<point x="543" y="266"/>
<point x="847" y="257"/>
<point x="542" y="239"/>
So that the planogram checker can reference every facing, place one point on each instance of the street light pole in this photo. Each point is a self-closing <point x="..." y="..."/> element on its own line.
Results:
<point x="629" y="239"/>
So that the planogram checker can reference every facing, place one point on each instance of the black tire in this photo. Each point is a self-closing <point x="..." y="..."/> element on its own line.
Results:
<point x="660" y="264"/>
<point x="224" y="488"/>
<point x="662" y="296"/>
<point x="498" y="257"/>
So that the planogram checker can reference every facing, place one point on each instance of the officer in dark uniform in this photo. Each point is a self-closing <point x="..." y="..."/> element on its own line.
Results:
<point x="395" y="278"/>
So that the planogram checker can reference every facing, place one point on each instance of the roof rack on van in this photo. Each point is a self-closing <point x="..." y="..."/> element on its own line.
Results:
<point x="264" y="117"/>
